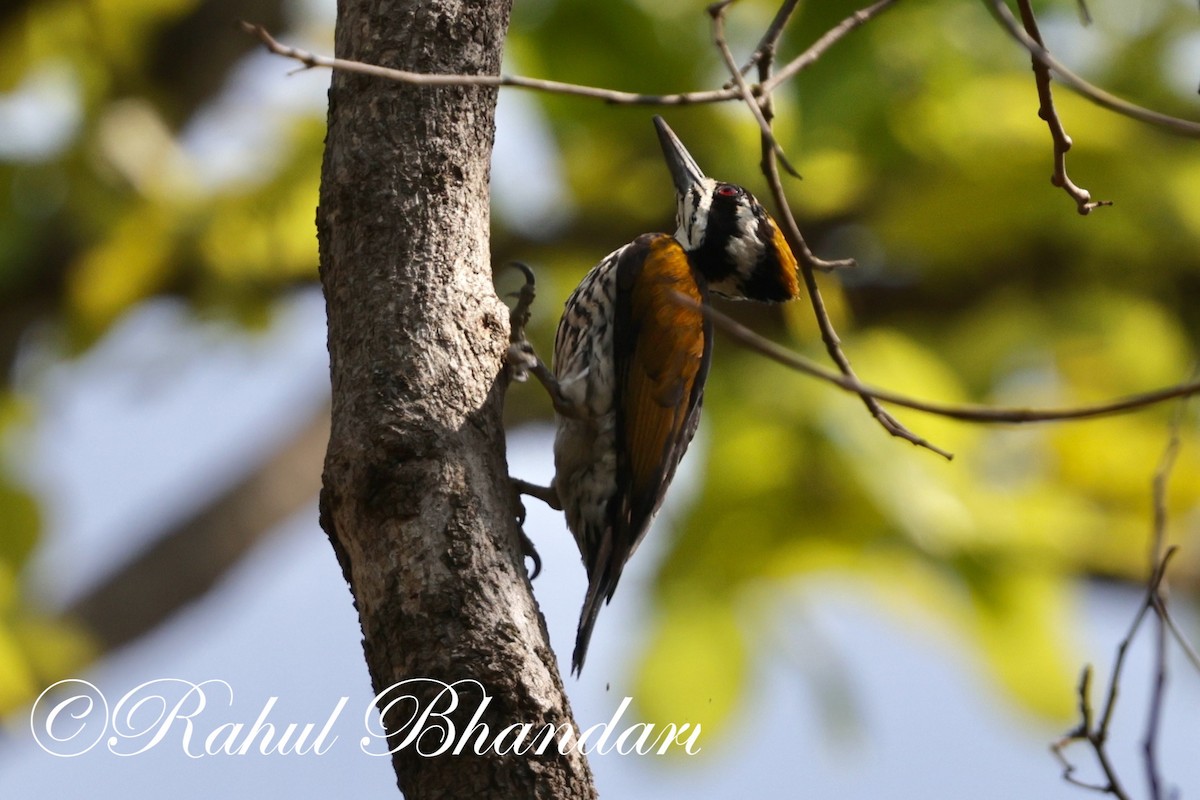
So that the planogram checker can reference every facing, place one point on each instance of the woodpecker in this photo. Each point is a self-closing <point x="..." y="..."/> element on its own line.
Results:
<point x="631" y="356"/>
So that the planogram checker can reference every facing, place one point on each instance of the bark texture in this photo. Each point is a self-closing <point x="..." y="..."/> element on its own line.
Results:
<point x="415" y="498"/>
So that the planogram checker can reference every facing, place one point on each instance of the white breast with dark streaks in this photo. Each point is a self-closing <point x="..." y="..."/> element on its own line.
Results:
<point x="585" y="458"/>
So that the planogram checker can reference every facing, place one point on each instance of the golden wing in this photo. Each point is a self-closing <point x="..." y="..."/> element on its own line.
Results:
<point x="661" y="357"/>
<point x="661" y="349"/>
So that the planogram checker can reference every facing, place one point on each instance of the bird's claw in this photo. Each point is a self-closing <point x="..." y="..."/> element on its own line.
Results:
<point x="530" y="552"/>
<point x="527" y="548"/>
<point x="521" y="356"/>
<point x="521" y="360"/>
<point x="518" y="318"/>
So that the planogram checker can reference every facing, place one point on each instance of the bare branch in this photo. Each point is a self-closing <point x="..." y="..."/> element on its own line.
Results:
<point x="1159" y="538"/>
<point x="791" y="229"/>
<point x="1189" y="651"/>
<point x="1058" y="748"/>
<point x="809" y="263"/>
<point x="717" y="12"/>
<point x="966" y="412"/>
<point x="1158" y="600"/>
<point x="1155" y="600"/>
<point x="1159" y="486"/>
<point x="1096" y="735"/>
<point x="770" y="37"/>
<point x="1047" y="112"/>
<point x="1154" y="714"/>
<point x="1087" y="90"/>
<point x="828" y="40"/>
<point x="723" y="95"/>
<point x="311" y="60"/>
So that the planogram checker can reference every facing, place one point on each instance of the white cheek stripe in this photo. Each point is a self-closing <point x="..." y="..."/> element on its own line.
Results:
<point x="692" y="214"/>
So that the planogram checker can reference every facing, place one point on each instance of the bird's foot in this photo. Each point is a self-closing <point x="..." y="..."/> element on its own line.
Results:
<point x="521" y="356"/>
<point x="547" y="494"/>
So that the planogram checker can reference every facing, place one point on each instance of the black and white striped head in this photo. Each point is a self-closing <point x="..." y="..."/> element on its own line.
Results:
<point x="729" y="237"/>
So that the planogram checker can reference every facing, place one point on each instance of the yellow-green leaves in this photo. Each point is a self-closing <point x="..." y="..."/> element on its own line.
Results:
<point x="696" y="665"/>
<point x="134" y="262"/>
<point x="35" y="649"/>
<point x="802" y="484"/>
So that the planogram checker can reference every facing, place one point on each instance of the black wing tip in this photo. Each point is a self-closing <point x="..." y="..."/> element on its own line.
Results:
<point x="583" y="636"/>
<point x="598" y="590"/>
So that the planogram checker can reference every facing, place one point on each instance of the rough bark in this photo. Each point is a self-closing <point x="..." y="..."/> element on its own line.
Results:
<point x="415" y="498"/>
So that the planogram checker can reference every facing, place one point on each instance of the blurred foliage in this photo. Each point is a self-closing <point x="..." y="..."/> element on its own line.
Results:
<point x="35" y="648"/>
<point x="104" y="204"/>
<point x="923" y="158"/>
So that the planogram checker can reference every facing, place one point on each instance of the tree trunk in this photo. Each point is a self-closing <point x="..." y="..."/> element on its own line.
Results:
<point x="416" y="500"/>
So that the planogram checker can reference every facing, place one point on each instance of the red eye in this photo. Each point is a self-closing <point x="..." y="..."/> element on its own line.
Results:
<point x="728" y="190"/>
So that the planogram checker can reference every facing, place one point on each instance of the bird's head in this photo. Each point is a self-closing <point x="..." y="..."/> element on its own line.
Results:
<point x="730" y="238"/>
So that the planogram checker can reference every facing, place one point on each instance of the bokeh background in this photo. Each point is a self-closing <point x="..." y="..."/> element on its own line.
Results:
<point x="845" y="615"/>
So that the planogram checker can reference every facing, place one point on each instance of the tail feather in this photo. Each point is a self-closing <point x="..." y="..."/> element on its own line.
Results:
<point x="601" y="585"/>
<point x="587" y="621"/>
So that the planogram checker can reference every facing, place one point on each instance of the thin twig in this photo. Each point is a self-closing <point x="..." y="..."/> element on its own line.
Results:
<point x="1089" y="91"/>
<point x="1158" y="689"/>
<point x="1123" y="646"/>
<point x="1085" y="16"/>
<point x="966" y="412"/>
<point x="1158" y="538"/>
<point x="791" y="230"/>
<point x="1048" y="113"/>
<point x="803" y="61"/>
<point x="833" y="345"/>
<point x="800" y="247"/>
<point x="827" y="40"/>
<point x="809" y="263"/>
<point x="1096" y="735"/>
<point x="311" y="60"/>
<point x="717" y="12"/>
<point x="1181" y="639"/>
<point x="770" y="37"/>
<point x="1058" y="748"/>
<point x="1156" y="602"/>
<point x="1161" y="478"/>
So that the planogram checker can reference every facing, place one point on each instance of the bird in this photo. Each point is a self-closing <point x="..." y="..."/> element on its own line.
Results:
<point x="631" y="357"/>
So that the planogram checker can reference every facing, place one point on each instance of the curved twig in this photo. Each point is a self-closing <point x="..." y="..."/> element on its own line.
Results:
<point x="1087" y="90"/>
<point x="966" y="412"/>
<point x="809" y="263"/>
<point x="827" y="40"/>
<point x="717" y="12"/>
<point x="1047" y="111"/>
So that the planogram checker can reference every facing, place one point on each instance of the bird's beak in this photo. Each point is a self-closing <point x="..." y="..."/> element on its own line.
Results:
<point x="684" y="170"/>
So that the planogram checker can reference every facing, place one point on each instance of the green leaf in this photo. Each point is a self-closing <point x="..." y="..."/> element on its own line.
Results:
<point x="20" y="523"/>
<point x="695" y="667"/>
